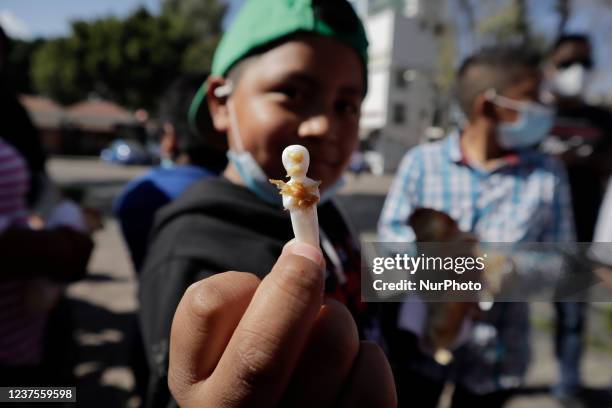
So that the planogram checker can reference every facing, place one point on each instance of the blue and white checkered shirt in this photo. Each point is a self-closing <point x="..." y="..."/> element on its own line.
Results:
<point x="525" y="199"/>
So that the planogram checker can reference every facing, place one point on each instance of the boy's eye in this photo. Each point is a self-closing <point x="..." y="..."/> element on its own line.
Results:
<point x="291" y="93"/>
<point x="348" y="108"/>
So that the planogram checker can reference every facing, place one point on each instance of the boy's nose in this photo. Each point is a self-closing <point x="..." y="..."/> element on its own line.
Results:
<point x="316" y="126"/>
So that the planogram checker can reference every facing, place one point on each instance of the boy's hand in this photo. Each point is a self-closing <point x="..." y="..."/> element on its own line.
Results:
<point x="239" y="342"/>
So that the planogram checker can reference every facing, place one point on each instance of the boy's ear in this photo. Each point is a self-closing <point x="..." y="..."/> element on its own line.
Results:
<point x="217" y="104"/>
<point x="483" y="107"/>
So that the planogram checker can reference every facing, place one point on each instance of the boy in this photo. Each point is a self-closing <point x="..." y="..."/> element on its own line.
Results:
<point x="491" y="180"/>
<point x="187" y="158"/>
<point x="286" y="72"/>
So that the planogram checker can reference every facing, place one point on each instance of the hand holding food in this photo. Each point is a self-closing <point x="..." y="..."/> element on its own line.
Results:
<point x="237" y="341"/>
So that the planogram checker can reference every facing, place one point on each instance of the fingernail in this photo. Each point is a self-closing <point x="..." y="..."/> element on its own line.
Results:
<point x="307" y="251"/>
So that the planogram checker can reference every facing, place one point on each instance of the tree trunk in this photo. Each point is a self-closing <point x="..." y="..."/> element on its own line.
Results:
<point x="563" y="8"/>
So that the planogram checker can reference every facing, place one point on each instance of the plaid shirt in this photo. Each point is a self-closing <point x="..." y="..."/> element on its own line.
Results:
<point x="525" y="199"/>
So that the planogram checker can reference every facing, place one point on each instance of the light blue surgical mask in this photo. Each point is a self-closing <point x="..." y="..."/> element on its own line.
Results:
<point x="251" y="173"/>
<point x="531" y="127"/>
<point x="254" y="177"/>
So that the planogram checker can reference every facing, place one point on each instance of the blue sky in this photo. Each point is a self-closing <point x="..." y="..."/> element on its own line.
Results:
<point x="51" y="18"/>
<point x="43" y="18"/>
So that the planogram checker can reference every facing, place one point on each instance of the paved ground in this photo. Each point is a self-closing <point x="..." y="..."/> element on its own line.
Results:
<point x="105" y="302"/>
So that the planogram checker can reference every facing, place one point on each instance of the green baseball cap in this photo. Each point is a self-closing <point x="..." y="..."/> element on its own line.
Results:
<point x="260" y="22"/>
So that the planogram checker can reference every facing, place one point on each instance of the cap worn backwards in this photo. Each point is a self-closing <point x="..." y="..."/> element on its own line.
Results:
<point x="261" y="22"/>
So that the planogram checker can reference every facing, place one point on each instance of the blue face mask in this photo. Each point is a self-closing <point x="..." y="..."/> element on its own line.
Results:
<point x="531" y="127"/>
<point x="254" y="177"/>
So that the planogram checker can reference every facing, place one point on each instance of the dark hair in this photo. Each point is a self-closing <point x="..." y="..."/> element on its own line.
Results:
<point x="17" y="128"/>
<point x="569" y="38"/>
<point x="338" y="14"/>
<point x="492" y="68"/>
<point x="173" y="107"/>
<point x="5" y="44"/>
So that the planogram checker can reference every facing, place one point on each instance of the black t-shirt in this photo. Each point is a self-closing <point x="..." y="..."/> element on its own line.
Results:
<point x="582" y="138"/>
<point x="217" y="226"/>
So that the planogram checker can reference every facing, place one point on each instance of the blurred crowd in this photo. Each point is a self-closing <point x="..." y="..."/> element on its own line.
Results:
<point x="529" y="162"/>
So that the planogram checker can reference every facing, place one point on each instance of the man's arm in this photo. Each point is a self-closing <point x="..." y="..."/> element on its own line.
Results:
<point x="60" y="254"/>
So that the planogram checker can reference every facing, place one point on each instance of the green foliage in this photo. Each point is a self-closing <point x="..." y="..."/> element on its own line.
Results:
<point x="503" y="27"/>
<point x="54" y="70"/>
<point x="201" y="18"/>
<point x="446" y="58"/>
<point x="509" y="26"/>
<point x="201" y="21"/>
<point x="198" y="56"/>
<point x="129" y="61"/>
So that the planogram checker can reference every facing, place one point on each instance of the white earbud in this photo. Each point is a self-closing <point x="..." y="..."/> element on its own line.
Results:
<point x="224" y="90"/>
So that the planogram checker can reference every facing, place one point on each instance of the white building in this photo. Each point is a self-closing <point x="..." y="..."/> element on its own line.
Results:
<point x="402" y="97"/>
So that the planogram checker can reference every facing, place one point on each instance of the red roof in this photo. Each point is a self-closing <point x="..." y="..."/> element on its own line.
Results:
<point x="93" y="114"/>
<point x="39" y="103"/>
<point x="44" y="112"/>
<point x="98" y="107"/>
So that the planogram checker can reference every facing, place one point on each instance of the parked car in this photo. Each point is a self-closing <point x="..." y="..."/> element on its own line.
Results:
<point x="126" y="152"/>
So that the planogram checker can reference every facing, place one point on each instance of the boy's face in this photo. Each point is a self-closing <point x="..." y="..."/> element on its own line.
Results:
<point x="305" y="91"/>
<point x="526" y="89"/>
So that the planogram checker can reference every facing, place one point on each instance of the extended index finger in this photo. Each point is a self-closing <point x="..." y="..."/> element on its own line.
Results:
<point x="263" y="352"/>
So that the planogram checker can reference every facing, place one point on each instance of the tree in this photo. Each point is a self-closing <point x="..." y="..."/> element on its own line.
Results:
<point x="54" y="71"/>
<point x="200" y="18"/>
<point x="467" y="9"/>
<point x="201" y="21"/>
<point x="129" y="61"/>
<point x="563" y="8"/>
<point x="508" y="26"/>
<point x="19" y="63"/>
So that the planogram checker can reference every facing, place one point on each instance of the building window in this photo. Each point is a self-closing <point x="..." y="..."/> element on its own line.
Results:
<point x="399" y="113"/>
<point x="403" y="77"/>
<point x="400" y="79"/>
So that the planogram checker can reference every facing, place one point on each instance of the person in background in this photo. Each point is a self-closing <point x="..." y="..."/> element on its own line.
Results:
<point x="582" y="133"/>
<point x="582" y="138"/>
<point x="490" y="179"/>
<point x="17" y="129"/>
<point x="32" y="349"/>
<point x="35" y="325"/>
<point x="186" y="157"/>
